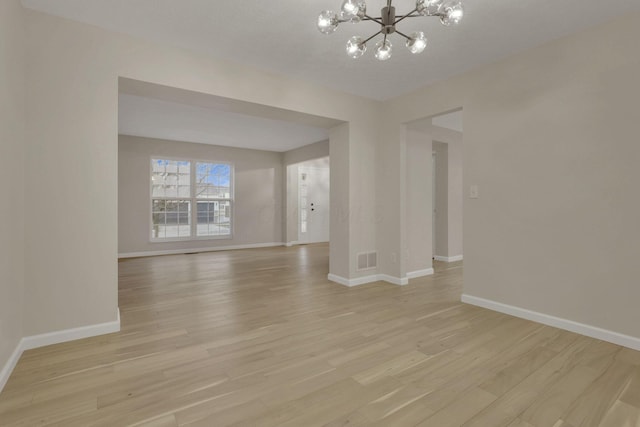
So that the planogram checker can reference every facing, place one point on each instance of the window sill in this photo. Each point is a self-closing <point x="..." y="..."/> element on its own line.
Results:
<point x="190" y="239"/>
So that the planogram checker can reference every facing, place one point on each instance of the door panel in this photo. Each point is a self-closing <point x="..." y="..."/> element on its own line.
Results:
<point x="313" y="186"/>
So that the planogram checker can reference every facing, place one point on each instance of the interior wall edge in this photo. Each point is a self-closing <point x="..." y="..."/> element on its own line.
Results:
<point x="10" y="365"/>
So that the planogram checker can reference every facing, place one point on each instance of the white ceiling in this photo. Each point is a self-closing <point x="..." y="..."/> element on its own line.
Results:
<point x="281" y="36"/>
<point x="156" y="118"/>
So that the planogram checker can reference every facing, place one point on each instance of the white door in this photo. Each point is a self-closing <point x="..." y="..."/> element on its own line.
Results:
<point x="313" y="185"/>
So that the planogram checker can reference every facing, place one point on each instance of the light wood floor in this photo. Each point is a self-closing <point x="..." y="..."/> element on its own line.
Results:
<point x="261" y="338"/>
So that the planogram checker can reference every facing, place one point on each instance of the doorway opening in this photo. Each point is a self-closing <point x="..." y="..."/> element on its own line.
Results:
<point x="313" y="198"/>
<point x="434" y="148"/>
<point x="216" y="170"/>
<point x="308" y="201"/>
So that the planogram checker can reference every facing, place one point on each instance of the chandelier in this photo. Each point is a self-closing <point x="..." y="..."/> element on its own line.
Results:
<point x="450" y="12"/>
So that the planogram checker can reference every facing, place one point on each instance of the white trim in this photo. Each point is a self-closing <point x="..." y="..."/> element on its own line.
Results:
<point x="448" y="258"/>
<point x="352" y="282"/>
<point x="57" y="337"/>
<point x="73" y="334"/>
<point x="420" y="273"/>
<point x="194" y="250"/>
<point x="546" y="319"/>
<point x="5" y="373"/>
<point x="289" y="244"/>
<point x="368" y="279"/>
<point x="400" y="281"/>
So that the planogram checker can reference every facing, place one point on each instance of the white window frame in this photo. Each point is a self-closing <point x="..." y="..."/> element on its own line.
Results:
<point x="193" y="200"/>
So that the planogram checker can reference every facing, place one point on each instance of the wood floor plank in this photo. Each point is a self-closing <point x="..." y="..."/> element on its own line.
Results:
<point x="596" y="400"/>
<point x="259" y="337"/>
<point x="460" y="410"/>
<point x="556" y="399"/>
<point x="631" y="394"/>
<point x="391" y="367"/>
<point x="621" y="415"/>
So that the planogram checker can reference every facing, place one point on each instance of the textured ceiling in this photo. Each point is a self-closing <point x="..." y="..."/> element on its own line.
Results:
<point x="280" y="36"/>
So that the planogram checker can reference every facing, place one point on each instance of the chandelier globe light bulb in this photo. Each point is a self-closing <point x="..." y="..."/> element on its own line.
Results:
<point x="452" y="13"/>
<point x="327" y="22"/>
<point x="428" y="7"/>
<point x="383" y="50"/>
<point x="417" y="42"/>
<point x="353" y="8"/>
<point x="355" y="47"/>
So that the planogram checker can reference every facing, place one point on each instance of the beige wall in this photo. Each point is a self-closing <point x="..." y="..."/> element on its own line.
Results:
<point x="448" y="221"/>
<point x="455" y="189"/>
<point x="72" y="96"/>
<point x="308" y="152"/>
<point x="363" y="193"/>
<point x="257" y="213"/>
<point x="391" y="211"/>
<point x="441" y="208"/>
<point x="340" y="184"/>
<point x="551" y="138"/>
<point x="418" y="249"/>
<point x="12" y="120"/>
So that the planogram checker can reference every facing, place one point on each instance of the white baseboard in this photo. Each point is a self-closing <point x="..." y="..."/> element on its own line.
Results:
<point x="73" y="334"/>
<point x="5" y="373"/>
<point x="448" y="258"/>
<point x="568" y="325"/>
<point x="400" y="281"/>
<point x="194" y="250"/>
<point x="289" y="244"/>
<point x="420" y="273"/>
<point x="57" y="337"/>
<point x="368" y="279"/>
<point x="352" y="282"/>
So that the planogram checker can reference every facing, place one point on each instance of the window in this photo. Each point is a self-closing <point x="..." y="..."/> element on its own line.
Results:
<point x="302" y="185"/>
<point x="213" y="198"/>
<point x="190" y="199"/>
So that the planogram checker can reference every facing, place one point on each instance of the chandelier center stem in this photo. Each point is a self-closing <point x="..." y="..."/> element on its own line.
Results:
<point x="388" y="15"/>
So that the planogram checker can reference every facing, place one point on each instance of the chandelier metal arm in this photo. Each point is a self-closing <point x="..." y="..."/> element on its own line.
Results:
<point x="371" y="18"/>
<point x="408" y="15"/>
<point x="364" y="41"/>
<point x="403" y="35"/>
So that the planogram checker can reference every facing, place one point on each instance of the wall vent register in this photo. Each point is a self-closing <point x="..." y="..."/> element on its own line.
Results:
<point x="367" y="260"/>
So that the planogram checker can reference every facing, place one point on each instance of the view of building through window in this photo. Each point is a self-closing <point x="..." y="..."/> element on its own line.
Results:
<point x="177" y="186"/>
